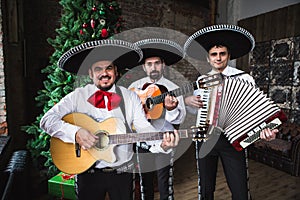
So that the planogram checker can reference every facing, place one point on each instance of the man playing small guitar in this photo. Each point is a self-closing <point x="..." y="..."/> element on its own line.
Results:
<point x="157" y="54"/>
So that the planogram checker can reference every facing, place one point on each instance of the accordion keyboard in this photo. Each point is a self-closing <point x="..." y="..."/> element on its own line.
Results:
<point x="203" y="112"/>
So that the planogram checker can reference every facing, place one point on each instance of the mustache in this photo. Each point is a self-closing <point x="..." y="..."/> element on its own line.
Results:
<point x="105" y="76"/>
<point x="154" y="71"/>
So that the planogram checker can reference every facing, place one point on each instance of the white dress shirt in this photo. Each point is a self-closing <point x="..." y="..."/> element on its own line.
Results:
<point x="228" y="71"/>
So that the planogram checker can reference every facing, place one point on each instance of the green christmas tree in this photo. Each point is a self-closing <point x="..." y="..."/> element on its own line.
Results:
<point x="81" y="21"/>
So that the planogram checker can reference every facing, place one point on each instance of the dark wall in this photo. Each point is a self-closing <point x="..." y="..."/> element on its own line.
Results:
<point x="26" y="52"/>
<point x="277" y="24"/>
<point x="274" y="62"/>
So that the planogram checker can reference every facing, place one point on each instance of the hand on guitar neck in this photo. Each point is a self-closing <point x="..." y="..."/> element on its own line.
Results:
<point x="170" y="140"/>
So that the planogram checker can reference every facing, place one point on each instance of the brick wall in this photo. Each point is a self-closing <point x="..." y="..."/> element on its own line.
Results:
<point x="275" y="66"/>
<point x="175" y="20"/>
<point x="184" y="16"/>
<point x="3" y="124"/>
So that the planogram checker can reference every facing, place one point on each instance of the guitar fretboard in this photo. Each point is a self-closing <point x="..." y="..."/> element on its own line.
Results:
<point x="197" y="133"/>
<point x="177" y="92"/>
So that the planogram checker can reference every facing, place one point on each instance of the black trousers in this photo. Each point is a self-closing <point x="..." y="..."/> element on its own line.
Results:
<point x="234" y="166"/>
<point x="97" y="184"/>
<point x="152" y="164"/>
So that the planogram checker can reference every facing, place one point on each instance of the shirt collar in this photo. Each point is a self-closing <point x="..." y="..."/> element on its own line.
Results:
<point x="159" y="80"/>
<point x="112" y="89"/>
<point x="225" y="72"/>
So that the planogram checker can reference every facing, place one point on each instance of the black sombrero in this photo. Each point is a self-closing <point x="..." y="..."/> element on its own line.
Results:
<point x="237" y="39"/>
<point x="80" y="58"/>
<point x="169" y="51"/>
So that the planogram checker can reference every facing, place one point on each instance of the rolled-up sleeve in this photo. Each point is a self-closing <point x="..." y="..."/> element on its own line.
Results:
<point x="53" y="124"/>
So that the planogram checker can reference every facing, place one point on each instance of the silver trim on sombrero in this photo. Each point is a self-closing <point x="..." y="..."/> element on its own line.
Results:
<point x="159" y="41"/>
<point x="219" y="27"/>
<point x="97" y="43"/>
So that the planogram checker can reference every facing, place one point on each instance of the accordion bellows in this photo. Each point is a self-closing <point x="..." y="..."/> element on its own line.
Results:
<point x="237" y="107"/>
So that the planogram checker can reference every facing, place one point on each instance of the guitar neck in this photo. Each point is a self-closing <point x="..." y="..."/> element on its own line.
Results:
<point x="177" y="92"/>
<point x="203" y="82"/>
<point x="196" y="133"/>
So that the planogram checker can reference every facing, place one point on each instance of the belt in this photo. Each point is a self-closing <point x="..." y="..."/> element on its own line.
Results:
<point x="126" y="167"/>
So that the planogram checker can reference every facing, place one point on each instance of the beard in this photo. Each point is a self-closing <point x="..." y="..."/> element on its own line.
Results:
<point x="155" y="75"/>
<point x="105" y="87"/>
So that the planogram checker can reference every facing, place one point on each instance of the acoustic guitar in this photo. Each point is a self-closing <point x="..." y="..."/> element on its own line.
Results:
<point x="153" y="95"/>
<point x="111" y="133"/>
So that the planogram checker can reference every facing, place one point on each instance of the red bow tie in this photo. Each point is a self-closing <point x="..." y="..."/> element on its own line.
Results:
<point x="97" y="99"/>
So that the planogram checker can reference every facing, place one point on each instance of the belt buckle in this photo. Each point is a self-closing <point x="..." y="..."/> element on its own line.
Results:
<point x="108" y="169"/>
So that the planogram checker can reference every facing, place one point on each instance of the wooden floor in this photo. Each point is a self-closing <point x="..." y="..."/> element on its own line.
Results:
<point x="266" y="183"/>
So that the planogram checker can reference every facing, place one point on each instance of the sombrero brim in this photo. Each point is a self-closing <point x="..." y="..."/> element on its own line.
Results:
<point x="79" y="59"/>
<point x="169" y="51"/>
<point x="239" y="41"/>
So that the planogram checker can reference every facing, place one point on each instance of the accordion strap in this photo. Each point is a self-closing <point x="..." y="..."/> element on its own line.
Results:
<point x="239" y="74"/>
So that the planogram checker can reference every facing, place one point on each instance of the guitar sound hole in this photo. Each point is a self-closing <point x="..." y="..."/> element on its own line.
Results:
<point x="103" y="141"/>
<point x="149" y="103"/>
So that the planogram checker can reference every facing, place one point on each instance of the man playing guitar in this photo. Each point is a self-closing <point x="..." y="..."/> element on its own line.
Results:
<point x="157" y="54"/>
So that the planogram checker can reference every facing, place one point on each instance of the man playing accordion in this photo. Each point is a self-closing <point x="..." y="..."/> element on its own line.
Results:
<point x="222" y="43"/>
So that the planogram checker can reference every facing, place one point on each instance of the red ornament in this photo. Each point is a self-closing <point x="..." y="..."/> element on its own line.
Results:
<point x="94" y="8"/>
<point x="84" y="25"/>
<point x="81" y="32"/>
<point x="93" y="22"/>
<point x="104" y="33"/>
<point x="111" y="7"/>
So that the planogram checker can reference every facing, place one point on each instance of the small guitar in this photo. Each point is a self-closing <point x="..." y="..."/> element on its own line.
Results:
<point x="110" y="133"/>
<point x="153" y="95"/>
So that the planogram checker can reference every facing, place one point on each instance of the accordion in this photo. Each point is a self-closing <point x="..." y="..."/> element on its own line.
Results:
<point x="239" y="110"/>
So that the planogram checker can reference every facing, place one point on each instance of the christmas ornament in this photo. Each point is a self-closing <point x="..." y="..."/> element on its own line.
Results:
<point x="94" y="8"/>
<point x="102" y="22"/>
<point x="84" y="25"/>
<point x="104" y="33"/>
<point x="93" y="23"/>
